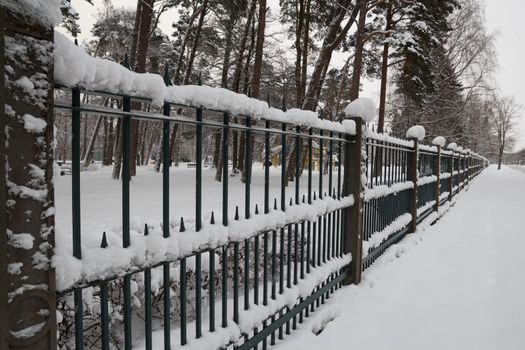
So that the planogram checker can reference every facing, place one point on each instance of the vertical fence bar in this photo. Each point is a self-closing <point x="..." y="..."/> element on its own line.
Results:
<point x="283" y="208"/>
<point x="451" y="178"/>
<point x="353" y="227"/>
<point x="126" y="124"/>
<point x="166" y="163"/>
<point x="182" y="295"/>
<point x="437" y="173"/>
<point x="225" y="133"/>
<point x="147" y="303"/>
<point x="198" y="226"/>
<point x="77" y="251"/>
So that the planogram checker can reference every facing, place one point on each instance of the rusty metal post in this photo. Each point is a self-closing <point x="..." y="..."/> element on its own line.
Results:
<point x="413" y="176"/>
<point x="437" y="172"/>
<point x="353" y="162"/>
<point x="27" y="287"/>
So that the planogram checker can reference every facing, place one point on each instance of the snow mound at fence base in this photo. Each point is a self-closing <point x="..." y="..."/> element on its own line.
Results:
<point x="74" y="67"/>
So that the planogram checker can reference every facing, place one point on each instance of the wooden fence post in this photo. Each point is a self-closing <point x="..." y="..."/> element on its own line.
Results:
<point x="27" y="281"/>
<point x="353" y="163"/>
<point x="437" y="173"/>
<point x="413" y="176"/>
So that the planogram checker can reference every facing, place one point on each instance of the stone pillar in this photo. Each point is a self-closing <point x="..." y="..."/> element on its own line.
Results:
<point x="27" y="287"/>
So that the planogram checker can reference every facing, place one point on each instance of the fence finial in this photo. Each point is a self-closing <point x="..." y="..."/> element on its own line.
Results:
<point x="303" y="198"/>
<point x="268" y="98"/>
<point x="249" y="91"/>
<point x="167" y="80"/>
<point x="76" y="41"/>
<point x="199" y="79"/>
<point x="275" y="204"/>
<point x="212" y="220"/>
<point x="284" y="103"/>
<point x="104" y="243"/>
<point x="182" y="227"/>
<point x="291" y="202"/>
<point x="315" y="196"/>
<point x="236" y="212"/>
<point x="256" y="209"/>
<point x="146" y="230"/>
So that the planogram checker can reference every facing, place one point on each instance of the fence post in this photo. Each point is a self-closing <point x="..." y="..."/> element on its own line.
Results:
<point x="451" y="178"/>
<point x="27" y="287"/>
<point x="413" y="176"/>
<point x="437" y="173"/>
<point x="353" y="162"/>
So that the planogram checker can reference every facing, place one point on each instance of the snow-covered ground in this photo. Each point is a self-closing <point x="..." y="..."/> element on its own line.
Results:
<point x="459" y="284"/>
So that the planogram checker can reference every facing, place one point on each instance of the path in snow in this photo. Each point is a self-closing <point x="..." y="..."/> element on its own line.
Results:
<point x="460" y="284"/>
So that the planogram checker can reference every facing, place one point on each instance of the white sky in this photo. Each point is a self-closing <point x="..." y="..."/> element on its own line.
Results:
<point x="503" y="16"/>
<point x="506" y="17"/>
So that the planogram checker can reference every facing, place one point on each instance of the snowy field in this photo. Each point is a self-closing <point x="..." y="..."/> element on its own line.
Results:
<point x="460" y="284"/>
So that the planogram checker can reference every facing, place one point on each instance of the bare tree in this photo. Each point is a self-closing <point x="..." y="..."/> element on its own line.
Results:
<point x="503" y="111"/>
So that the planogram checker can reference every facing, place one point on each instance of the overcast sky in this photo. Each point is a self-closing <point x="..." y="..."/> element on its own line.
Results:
<point x="503" y="16"/>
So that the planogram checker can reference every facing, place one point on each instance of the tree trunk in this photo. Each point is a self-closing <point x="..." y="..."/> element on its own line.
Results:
<point x="189" y="66"/>
<point x="143" y="160"/>
<point x="238" y="64"/>
<point x="257" y="64"/>
<point x="183" y="48"/>
<point x="117" y="165"/>
<point x="298" y="52"/>
<point x="334" y="35"/>
<point x="135" y="35"/>
<point x="304" y="54"/>
<point x="384" y="74"/>
<point x="146" y="14"/>
<point x="89" y="150"/>
<point x="358" y="55"/>
<point x="500" y="155"/>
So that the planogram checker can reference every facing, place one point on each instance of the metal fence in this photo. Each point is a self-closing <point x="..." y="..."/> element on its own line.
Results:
<point x="252" y="271"/>
<point x="283" y="273"/>
<point x="257" y="270"/>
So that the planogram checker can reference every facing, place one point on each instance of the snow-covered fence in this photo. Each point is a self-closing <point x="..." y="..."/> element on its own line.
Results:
<point x="407" y="183"/>
<point x="239" y="278"/>
<point x="235" y="279"/>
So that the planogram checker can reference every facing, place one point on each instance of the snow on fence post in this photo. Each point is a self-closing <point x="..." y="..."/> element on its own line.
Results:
<point x="437" y="172"/>
<point x="415" y="133"/>
<point x="412" y="176"/>
<point x="27" y="287"/>
<point x="451" y="147"/>
<point x="352" y="185"/>
<point x="439" y="142"/>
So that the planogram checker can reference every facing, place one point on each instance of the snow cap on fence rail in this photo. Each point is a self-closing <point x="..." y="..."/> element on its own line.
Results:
<point x="362" y="107"/>
<point x="439" y="141"/>
<point x="416" y="132"/>
<point x="74" y="67"/>
<point x="452" y="146"/>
